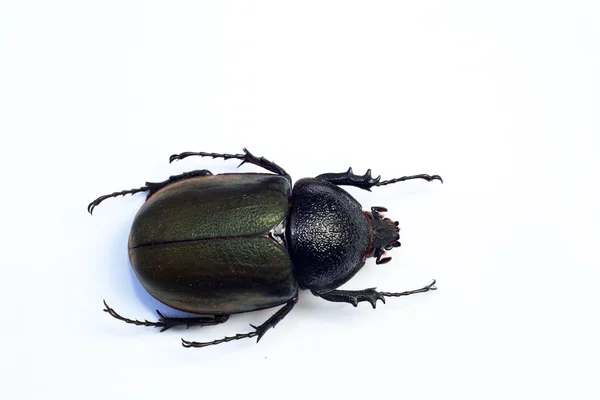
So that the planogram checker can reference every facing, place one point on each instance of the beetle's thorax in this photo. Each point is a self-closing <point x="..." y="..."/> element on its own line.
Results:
<point x="328" y="235"/>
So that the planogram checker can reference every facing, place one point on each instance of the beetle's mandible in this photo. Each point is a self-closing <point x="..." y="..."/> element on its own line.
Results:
<point x="216" y="245"/>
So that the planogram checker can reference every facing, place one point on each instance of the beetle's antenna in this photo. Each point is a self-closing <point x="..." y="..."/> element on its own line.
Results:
<point x="428" y="178"/>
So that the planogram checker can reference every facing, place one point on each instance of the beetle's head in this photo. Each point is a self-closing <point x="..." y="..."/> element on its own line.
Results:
<point x="385" y="235"/>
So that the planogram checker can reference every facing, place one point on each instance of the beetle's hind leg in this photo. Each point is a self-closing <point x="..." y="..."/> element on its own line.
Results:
<point x="247" y="157"/>
<point x="168" y="322"/>
<point x="259" y="331"/>
<point x="150" y="187"/>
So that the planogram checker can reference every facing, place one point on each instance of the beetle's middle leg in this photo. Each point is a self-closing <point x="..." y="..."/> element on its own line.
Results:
<point x="370" y="295"/>
<point x="259" y="331"/>
<point x="366" y="181"/>
<point x="247" y="157"/>
<point x="168" y="322"/>
<point x="151" y="187"/>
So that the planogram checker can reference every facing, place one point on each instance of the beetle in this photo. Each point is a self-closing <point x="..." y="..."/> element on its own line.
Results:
<point x="217" y="245"/>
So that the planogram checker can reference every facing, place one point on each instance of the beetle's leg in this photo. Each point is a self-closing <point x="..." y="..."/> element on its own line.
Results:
<point x="150" y="187"/>
<point x="366" y="181"/>
<point x="167" y="322"/>
<point x="348" y="178"/>
<point x="247" y="157"/>
<point x="371" y="295"/>
<point x="428" y="178"/>
<point x="259" y="331"/>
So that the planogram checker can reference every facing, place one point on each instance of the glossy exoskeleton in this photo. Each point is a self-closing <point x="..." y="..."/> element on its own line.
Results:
<point x="216" y="245"/>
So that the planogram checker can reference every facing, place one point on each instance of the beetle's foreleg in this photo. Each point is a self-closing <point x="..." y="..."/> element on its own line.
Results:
<point x="349" y="178"/>
<point x="168" y="322"/>
<point x="428" y="178"/>
<point x="259" y="331"/>
<point x="151" y="187"/>
<point x="247" y="157"/>
<point x="366" y="181"/>
<point x="370" y="295"/>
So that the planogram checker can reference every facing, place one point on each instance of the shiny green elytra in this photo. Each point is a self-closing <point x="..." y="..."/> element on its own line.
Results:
<point x="205" y="245"/>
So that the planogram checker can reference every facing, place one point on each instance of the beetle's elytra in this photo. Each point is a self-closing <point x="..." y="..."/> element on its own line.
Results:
<point x="216" y="245"/>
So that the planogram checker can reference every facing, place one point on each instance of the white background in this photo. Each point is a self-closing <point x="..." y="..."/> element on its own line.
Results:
<point x="500" y="98"/>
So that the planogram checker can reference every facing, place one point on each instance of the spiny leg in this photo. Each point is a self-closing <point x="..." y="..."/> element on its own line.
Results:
<point x="247" y="157"/>
<point x="370" y="295"/>
<point x="259" y="331"/>
<point x="428" y="178"/>
<point x="366" y="181"/>
<point x="348" y="178"/>
<point x="169" y="322"/>
<point x="150" y="187"/>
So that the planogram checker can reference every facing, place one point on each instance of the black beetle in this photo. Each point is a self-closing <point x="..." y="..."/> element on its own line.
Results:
<point x="217" y="245"/>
